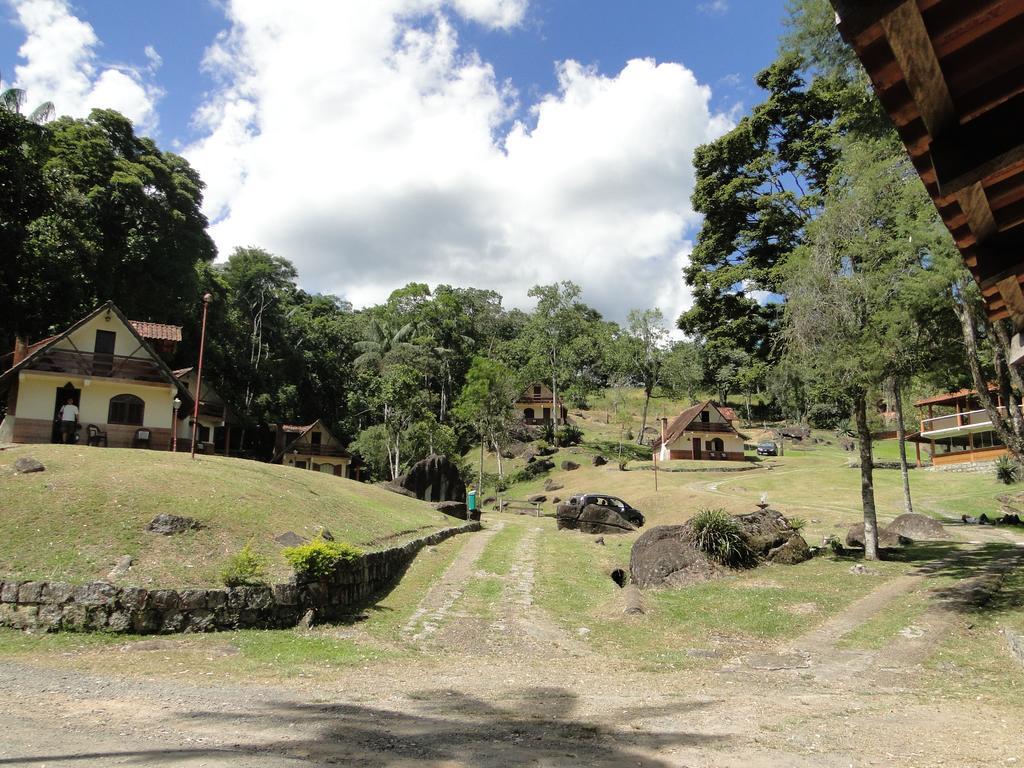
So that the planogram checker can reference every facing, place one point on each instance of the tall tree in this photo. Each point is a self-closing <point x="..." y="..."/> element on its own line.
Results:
<point x="644" y="349"/>
<point x="486" y="403"/>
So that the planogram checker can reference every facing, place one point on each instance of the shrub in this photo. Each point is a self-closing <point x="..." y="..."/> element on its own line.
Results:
<point x="718" y="535"/>
<point x="1007" y="470"/>
<point x="244" y="568"/>
<point x="569" y="434"/>
<point x="797" y="523"/>
<point x="320" y="558"/>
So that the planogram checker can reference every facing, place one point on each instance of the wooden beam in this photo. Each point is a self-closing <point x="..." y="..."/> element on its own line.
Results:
<point x="970" y="153"/>
<point x="857" y="16"/>
<point x="1009" y="289"/>
<point x="912" y="47"/>
<point x="974" y="204"/>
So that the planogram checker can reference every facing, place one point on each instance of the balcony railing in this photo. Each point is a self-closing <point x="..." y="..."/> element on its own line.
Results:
<point x="90" y="364"/>
<point x="708" y="426"/>
<point x="959" y="420"/>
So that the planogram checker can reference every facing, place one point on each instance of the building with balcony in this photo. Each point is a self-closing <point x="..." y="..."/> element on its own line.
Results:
<point x="216" y="420"/>
<point x="109" y="367"/>
<point x="311" y="447"/>
<point x="536" y="405"/>
<point x="702" y="431"/>
<point x="957" y="429"/>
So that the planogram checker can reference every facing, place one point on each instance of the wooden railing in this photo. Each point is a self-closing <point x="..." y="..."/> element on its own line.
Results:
<point x="98" y="365"/>
<point x="955" y="420"/>
<point x="317" y="450"/>
<point x="708" y="426"/>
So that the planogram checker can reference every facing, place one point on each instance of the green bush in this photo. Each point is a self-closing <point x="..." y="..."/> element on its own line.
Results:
<point x="1007" y="470"/>
<point x="245" y="568"/>
<point x="320" y="558"/>
<point x="718" y="535"/>
<point x="797" y="523"/>
<point x="569" y="434"/>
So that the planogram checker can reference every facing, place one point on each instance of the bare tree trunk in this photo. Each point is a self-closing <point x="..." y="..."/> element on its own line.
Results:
<point x="867" y="486"/>
<point x="497" y="452"/>
<point x="643" y="420"/>
<point x="480" y="477"/>
<point x="1005" y="429"/>
<point x="901" y="435"/>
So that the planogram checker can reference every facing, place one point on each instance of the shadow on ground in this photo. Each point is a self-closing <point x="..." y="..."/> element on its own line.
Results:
<point x="534" y="726"/>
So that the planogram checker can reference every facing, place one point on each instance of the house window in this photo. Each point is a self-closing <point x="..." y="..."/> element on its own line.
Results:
<point x="705" y="417"/>
<point x="536" y="390"/>
<point x="126" y="409"/>
<point x="717" y="445"/>
<point x="528" y="414"/>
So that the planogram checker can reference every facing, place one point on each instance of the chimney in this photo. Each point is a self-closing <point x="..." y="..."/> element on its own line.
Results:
<point x="664" y="427"/>
<point x="20" y="350"/>
<point x="279" y="438"/>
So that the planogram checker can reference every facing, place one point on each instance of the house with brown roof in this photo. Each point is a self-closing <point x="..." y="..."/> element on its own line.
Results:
<point x="110" y="368"/>
<point x="702" y="431"/>
<point x="536" y="405"/>
<point x="310" y="447"/>
<point x="956" y="429"/>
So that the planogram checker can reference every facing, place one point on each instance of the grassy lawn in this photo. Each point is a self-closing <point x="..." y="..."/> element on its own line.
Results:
<point x="91" y="506"/>
<point x="766" y="604"/>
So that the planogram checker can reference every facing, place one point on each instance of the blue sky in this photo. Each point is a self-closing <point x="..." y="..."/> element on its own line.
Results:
<point x="592" y="169"/>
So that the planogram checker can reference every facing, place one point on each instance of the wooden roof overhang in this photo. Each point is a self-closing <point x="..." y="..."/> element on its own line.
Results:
<point x="950" y="74"/>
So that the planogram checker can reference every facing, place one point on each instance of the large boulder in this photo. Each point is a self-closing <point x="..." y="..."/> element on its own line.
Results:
<point x="765" y="529"/>
<point x="794" y="550"/>
<point x="665" y="557"/>
<point x="456" y="509"/>
<point x="886" y="539"/>
<point x="599" y="461"/>
<point x="593" y="518"/>
<point x="570" y="466"/>
<point x="917" y="527"/>
<point x="435" y="478"/>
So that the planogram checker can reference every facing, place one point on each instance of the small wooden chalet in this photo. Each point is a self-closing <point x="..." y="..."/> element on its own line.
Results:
<point x="312" y="447"/>
<point x="536" y="405"/>
<point x="700" y="432"/>
<point x="107" y="365"/>
<point x="215" y="422"/>
<point x="957" y="430"/>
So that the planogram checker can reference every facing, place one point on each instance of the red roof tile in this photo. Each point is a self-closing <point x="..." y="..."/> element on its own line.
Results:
<point x="157" y="331"/>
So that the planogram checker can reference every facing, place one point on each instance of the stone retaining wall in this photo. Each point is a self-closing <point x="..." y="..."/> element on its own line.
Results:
<point x="56" y="606"/>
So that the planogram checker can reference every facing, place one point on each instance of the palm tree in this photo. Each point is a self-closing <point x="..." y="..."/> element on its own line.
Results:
<point x="381" y="342"/>
<point x="13" y="99"/>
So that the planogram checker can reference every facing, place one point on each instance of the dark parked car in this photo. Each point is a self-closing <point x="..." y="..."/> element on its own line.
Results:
<point x="625" y="511"/>
<point x="767" y="449"/>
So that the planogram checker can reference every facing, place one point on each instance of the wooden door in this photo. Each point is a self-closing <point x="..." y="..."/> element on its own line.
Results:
<point x="103" y="357"/>
<point x="63" y="394"/>
<point x="696" y="447"/>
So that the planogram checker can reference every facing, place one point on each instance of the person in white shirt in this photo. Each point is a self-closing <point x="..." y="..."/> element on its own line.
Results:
<point x="68" y="421"/>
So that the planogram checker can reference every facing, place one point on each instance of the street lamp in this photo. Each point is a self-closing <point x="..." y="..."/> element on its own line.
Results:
<point x="207" y="298"/>
<point x="176" y="404"/>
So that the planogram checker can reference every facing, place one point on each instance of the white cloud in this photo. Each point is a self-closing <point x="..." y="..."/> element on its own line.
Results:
<point x="359" y="141"/>
<point x="60" y="65"/>
<point x="713" y="7"/>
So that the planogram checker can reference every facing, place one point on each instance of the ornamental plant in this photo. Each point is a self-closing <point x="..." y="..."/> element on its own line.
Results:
<point x="320" y="558"/>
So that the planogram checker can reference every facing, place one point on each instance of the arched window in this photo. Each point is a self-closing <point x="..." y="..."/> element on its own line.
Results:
<point x="528" y="414"/>
<point x="126" y="409"/>
<point x="718" y="445"/>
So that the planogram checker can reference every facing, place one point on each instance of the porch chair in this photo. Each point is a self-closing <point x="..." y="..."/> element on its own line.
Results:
<point x="141" y="439"/>
<point x="95" y="436"/>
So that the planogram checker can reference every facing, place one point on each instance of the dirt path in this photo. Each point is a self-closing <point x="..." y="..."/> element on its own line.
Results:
<point x="433" y="609"/>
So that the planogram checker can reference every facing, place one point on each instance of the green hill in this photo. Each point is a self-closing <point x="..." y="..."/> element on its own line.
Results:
<point x="92" y="505"/>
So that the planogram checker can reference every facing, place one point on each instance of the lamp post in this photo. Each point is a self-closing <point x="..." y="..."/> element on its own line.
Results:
<point x="207" y="298"/>
<point x="176" y="404"/>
